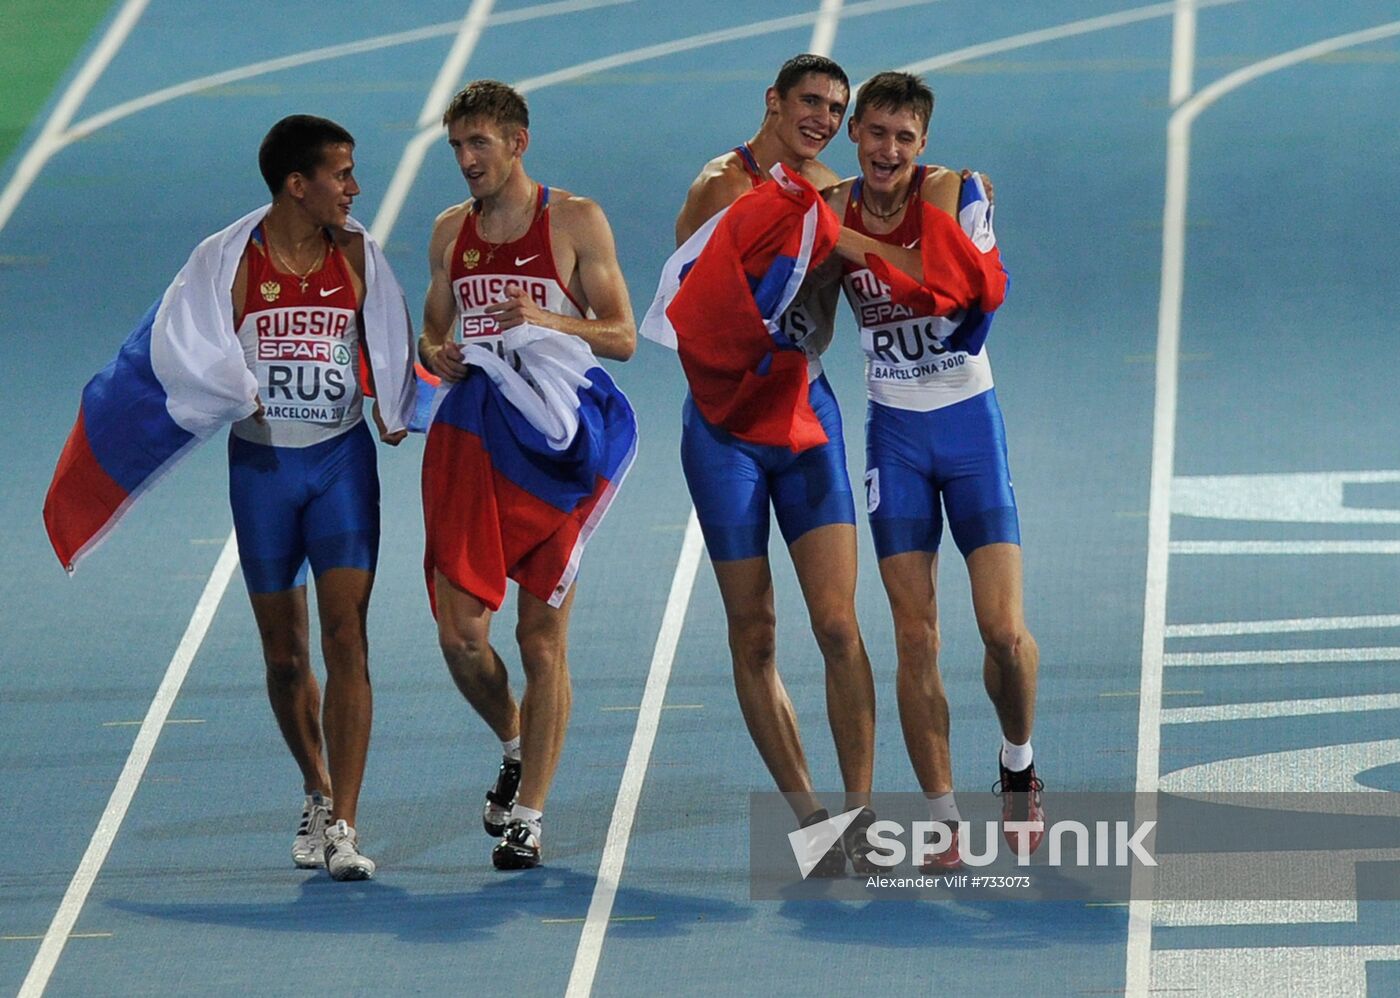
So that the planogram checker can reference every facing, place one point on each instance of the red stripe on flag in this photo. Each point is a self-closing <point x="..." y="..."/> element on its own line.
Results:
<point x="82" y="497"/>
<point x="482" y="529"/>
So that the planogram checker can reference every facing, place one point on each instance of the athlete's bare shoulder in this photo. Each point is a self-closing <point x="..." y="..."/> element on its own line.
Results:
<point x="445" y="229"/>
<point x="838" y="195"/>
<point x="721" y="182"/>
<point x="451" y="218"/>
<point x="819" y="175"/>
<point x="941" y="188"/>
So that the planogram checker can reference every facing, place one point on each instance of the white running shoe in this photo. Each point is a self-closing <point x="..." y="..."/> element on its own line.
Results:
<point x="344" y="860"/>
<point x="308" y="848"/>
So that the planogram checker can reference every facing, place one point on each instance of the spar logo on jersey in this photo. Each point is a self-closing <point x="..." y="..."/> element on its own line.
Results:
<point x="317" y="351"/>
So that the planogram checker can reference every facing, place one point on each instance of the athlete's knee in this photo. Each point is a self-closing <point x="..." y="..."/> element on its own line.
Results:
<point x="542" y="654"/>
<point x="917" y="641"/>
<point x="837" y="634"/>
<point x="287" y="668"/>
<point x="1004" y="638"/>
<point x="753" y="638"/>
<point x="467" y="650"/>
<point x="343" y="632"/>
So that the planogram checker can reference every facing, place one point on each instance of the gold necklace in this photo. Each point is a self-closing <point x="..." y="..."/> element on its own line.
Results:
<point x="886" y="215"/>
<point x="303" y="276"/>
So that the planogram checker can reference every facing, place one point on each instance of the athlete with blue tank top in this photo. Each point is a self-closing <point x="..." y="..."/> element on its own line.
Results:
<point x="303" y="482"/>
<point x="935" y="445"/>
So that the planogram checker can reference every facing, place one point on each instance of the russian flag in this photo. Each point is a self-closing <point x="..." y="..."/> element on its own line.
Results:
<point x="521" y="466"/>
<point x="734" y="279"/>
<point x="964" y="280"/>
<point x="181" y="376"/>
<point x="124" y="440"/>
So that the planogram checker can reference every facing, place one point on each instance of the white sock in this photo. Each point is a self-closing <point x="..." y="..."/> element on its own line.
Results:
<point x="1015" y="757"/>
<point x="942" y="807"/>
<point x="511" y="749"/>
<point x="528" y="815"/>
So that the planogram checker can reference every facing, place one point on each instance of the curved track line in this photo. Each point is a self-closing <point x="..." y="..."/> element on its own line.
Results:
<point x="1139" y="963"/>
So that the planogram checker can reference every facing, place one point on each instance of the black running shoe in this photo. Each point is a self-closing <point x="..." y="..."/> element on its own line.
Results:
<point x="519" y="848"/>
<point x="857" y="845"/>
<point x="501" y="798"/>
<point x="1020" y="801"/>
<point x="833" y="861"/>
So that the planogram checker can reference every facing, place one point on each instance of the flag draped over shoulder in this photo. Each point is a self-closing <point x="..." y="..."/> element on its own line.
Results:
<point x="722" y="296"/>
<point x="521" y="466"/>
<point x="181" y="375"/>
<point x="964" y="279"/>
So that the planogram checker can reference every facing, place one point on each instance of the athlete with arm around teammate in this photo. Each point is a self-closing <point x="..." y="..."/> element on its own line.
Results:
<point x="516" y="252"/>
<point x="935" y="444"/>
<point x="733" y="483"/>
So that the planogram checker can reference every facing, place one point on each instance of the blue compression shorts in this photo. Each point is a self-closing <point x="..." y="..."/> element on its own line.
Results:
<point x="291" y="504"/>
<point x="956" y="454"/>
<point x="732" y="482"/>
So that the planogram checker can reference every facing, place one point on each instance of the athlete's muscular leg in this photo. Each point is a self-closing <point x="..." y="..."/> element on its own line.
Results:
<point x="464" y="632"/>
<point x="543" y="635"/>
<point x="291" y="685"/>
<point x="825" y="559"/>
<point x="746" y="586"/>
<point x="342" y="602"/>
<point x="1012" y="659"/>
<point x="910" y="582"/>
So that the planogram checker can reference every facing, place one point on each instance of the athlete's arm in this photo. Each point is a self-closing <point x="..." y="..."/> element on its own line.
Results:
<point x="578" y="225"/>
<point x="437" y="349"/>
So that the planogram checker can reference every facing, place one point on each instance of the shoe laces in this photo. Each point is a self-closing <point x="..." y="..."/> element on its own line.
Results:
<point x="1024" y="782"/>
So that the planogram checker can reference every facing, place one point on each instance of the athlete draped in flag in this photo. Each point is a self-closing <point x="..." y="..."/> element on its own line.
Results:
<point x="268" y="326"/>
<point x="934" y="435"/>
<point x="733" y="482"/>
<point x="516" y="254"/>
<point x="302" y="473"/>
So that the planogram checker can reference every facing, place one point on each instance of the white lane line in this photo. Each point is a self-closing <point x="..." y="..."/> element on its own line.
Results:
<point x="397" y="193"/>
<point x="448" y="79"/>
<point x="1285" y="547"/>
<point x="752" y="30"/>
<point x="595" y="925"/>
<point x="107" y="827"/>
<point x="48" y="140"/>
<point x="1043" y="35"/>
<point x="1183" y="51"/>
<point x="1289" y="626"/>
<point x="629" y="792"/>
<point x="76" y="894"/>
<point x="1150" y="713"/>
<point x="1281" y="656"/>
<point x="1281" y="708"/>
<point x="125" y="109"/>
<point x="824" y="32"/>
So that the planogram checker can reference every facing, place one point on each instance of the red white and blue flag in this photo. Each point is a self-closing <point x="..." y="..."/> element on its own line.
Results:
<point x="720" y="303"/>
<point x="964" y="280"/>
<point x="521" y="466"/>
<point x="181" y="375"/>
